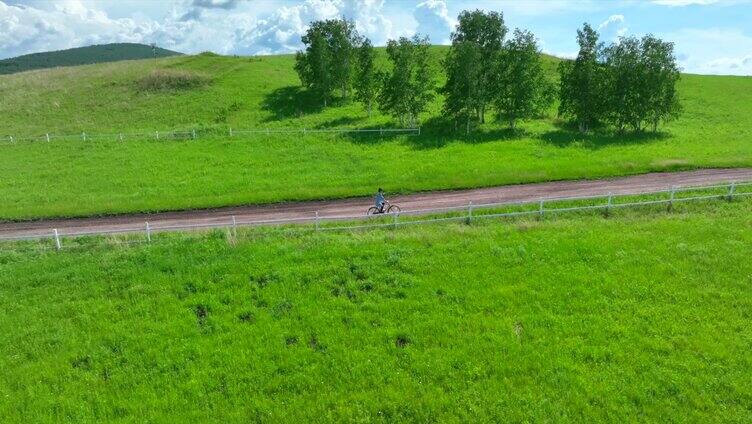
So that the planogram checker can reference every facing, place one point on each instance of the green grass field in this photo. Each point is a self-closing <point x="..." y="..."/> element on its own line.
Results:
<point x="638" y="317"/>
<point x="73" y="178"/>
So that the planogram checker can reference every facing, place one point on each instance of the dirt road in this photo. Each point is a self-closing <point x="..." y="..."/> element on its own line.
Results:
<point x="356" y="206"/>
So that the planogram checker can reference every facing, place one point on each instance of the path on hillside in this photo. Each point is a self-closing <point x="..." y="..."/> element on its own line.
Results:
<point x="356" y="206"/>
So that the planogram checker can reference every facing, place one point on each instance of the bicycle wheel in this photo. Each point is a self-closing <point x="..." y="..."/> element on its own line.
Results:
<point x="394" y="209"/>
<point x="373" y="210"/>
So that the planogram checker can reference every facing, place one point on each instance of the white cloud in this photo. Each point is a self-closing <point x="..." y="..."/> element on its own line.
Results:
<point x="69" y="24"/>
<point x="712" y="51"/>
<point x="613" y="28"/>
<point x="370" y="19"/>
<point x="281" y="32"/>
<point x="216" y="4"/>
<point x="190" y="26"/>
<point x="433" y="20"/>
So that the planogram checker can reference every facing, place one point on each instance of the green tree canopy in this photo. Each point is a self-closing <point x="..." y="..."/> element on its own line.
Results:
<point x="582" y="82"/>
<point x="461" y="102"/>
<point x="522" y="90"/>
<point x="661" y="74"/>
<point x="479" y="36"/>
<point x="328" y="61"/>
<point x="409" y="86"/>
<point x="626" y="87"/>
<point x="366" y="79"/>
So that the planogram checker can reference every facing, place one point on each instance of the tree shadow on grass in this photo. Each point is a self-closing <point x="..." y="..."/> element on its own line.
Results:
<point x="290" y="102"/>
<point x="343" y="122"/>
<point x="294" y="101"/>
<point x="435" y="133"/>
<point x="566" y="134"/>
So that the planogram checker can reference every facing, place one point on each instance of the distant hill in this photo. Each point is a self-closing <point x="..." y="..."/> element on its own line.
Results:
<point x="82" y="56"/>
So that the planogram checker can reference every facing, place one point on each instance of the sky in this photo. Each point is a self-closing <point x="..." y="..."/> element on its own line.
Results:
<point x="710" y="36"/>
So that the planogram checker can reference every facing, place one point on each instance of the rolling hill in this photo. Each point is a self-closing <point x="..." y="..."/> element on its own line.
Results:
<point x="82" y="56"/>
<point x="103" y="176"/>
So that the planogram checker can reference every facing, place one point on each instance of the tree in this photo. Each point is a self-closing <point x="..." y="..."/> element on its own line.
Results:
<point x="582" y="82"/>
<point x="409" y="87"/>
<point x="461" y="101"/>
<point x="480" y="36"/>
<point x="627" y="89"/>
<point x="328" y="60"/>
<point x="366" y="80"/>
<point x="313" y="65"/>
<point x="660" y="75"/>
<point x="522" y="90"/>
<point x="343" y="42"/>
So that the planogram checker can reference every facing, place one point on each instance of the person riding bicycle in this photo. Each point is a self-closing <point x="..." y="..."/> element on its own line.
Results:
<point x="380" y="200"/>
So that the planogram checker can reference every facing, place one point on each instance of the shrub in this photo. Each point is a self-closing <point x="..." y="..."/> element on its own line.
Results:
<point x="172" y="79"/>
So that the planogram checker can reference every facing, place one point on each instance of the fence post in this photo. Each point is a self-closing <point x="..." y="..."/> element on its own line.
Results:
<point x="230" y="131"/>
<point x="11" y="139"/>
<point x="671" y="200"/>
<point x="418" y="130"/>
<point x="470" y="212"/>
<point x="608" y="206"/>
<point x="48" y="137"/>
<point x="83" y="135"/>
<point x="540" y="208"/>
<point x="121" y="136"/>
<point x="157" y="134"/>
<point x="234" y="227"/>
<point x="317" y="220"/>
<point x="304" y="131"/>
<point x="193" y="132"/>
<point x="148" y="232"/>
<point x="381" y="132"/>
<point x="267" y="131"/>
<point x="731" y="191"/>
<point x="57" y="240"/>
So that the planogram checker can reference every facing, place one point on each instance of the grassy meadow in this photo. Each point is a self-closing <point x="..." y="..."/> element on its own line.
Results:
<point x="636" y="317"/>
<point x="102" y="176"/>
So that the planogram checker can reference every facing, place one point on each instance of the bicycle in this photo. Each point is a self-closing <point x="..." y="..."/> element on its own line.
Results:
<point x="387" y="208"/>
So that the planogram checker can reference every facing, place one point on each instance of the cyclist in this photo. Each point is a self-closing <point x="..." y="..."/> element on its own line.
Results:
<point x="380" y="201"/>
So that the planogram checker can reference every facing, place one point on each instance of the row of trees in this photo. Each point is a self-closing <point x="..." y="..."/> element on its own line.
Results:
<point x="337" y="58"/>
<point x="484" y="70"/>
<point x="629" y="84"/>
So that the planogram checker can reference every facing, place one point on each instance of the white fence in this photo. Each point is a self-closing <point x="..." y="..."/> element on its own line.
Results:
<point x="468" y="213"/>
<point x="202" y="133"/>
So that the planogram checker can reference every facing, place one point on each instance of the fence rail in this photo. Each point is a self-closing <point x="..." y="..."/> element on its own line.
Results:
<point x="466" y="213"/>
<point x="194" y="134"/>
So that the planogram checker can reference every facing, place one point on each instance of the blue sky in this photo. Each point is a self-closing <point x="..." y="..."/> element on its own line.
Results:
<point x="711" y="36"/>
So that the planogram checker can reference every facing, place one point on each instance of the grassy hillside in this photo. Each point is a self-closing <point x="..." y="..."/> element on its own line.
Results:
<point x="81" y="56"/>
<point x="104" y="176"/>
<point x="625" y="319"/>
